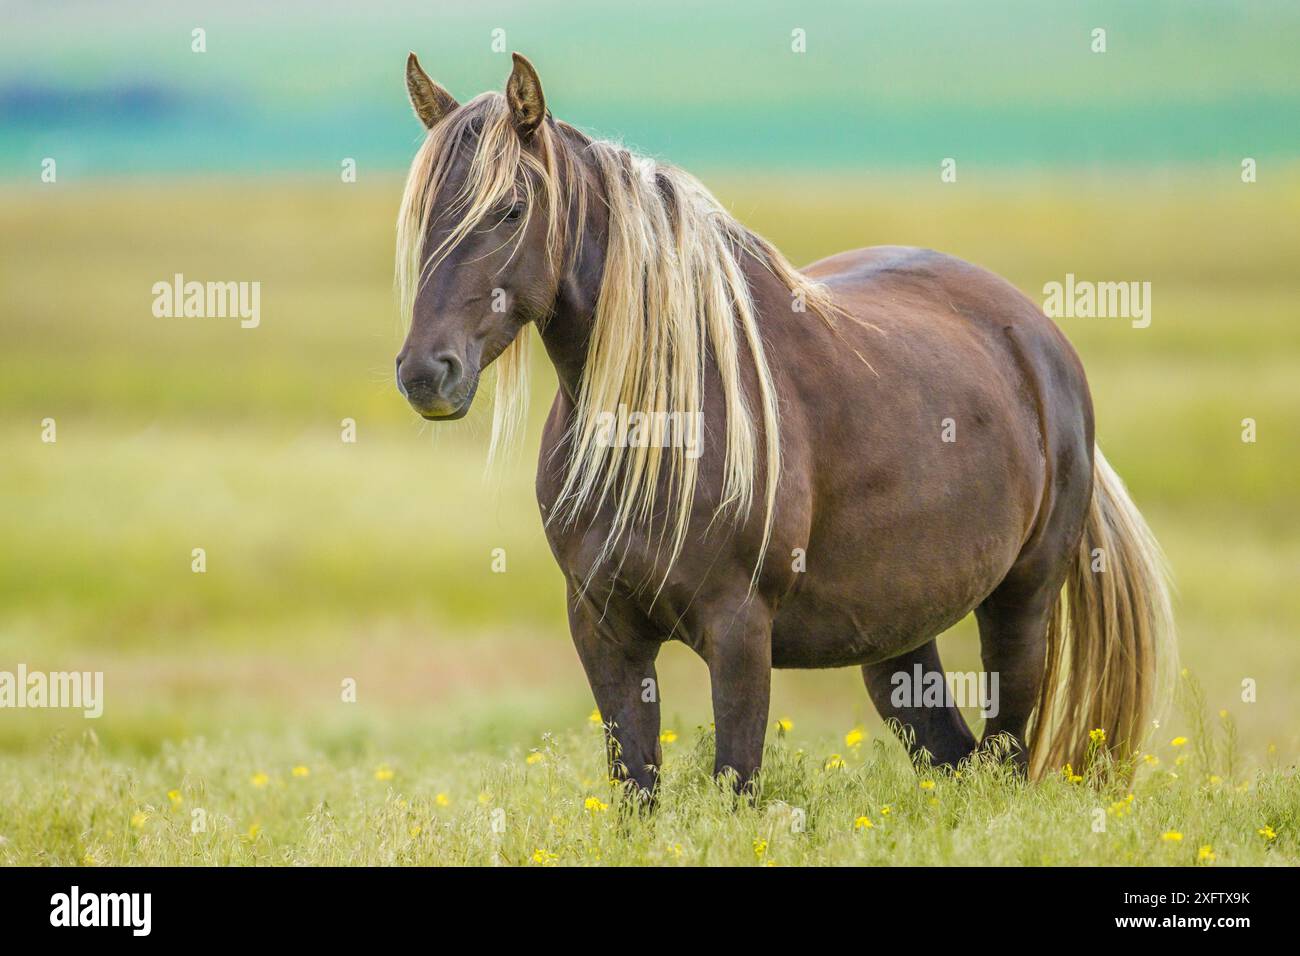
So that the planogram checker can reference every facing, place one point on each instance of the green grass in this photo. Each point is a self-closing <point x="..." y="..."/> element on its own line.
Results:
<point x="385" y="796"/>
<point x="372" y="561"/>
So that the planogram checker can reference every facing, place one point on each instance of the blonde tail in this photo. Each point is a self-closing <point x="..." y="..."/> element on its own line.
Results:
<point x="1111" y="654"/>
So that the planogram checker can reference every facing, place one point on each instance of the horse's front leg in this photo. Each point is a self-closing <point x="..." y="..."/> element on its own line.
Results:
<point x="621" y="670"/>
<point x="737" y="646"/>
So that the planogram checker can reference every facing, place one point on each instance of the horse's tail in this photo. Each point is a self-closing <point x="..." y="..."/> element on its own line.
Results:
<point x="1111" y="650"/>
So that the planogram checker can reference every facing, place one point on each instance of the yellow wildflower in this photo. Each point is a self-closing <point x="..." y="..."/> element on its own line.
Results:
<point x="834" y="762"/>
<point x="1178" y="742"/>
<point x="139" y="819"/>
<point x="1171" y="836"/>
<point x="594" y="716"/>
<point x="1068" y="773"/>
<point x="854" y="737"/>
<point x="1121" y="808"/>
<point x="927" y="784"/>
<point x="415" y="830"/>
<point x="863" y="823"/>
<point x="595" y="805"/>
<point x="1097" y="736"/>
<point x="1267" y="832"/>
<point x="886" y="810"/>
<point x="259" y="779"/>
<point x="760" y="848"/>
<point x="668" y="737"/>
<point x="442" y="800"/>
<point x="1206" y="853"/>
<point x="533" y="758"/>
<point x="1150" y="759"/>
<point x="785" y="725"/>
<point x="301" y="771"/>
<point x="384" y="772"/>
<point x="253" y="832"/>
<point x="175" y="797"/>
<point x="544" y="857"/>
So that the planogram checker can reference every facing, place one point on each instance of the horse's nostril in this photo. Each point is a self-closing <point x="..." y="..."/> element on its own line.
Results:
<point x="450" y="370"/>
<point x="427" y="377"/>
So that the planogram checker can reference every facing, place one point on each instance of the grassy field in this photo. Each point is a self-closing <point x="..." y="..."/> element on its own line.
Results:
<point x="329" y="561"/>
<point x="309" y="798"/>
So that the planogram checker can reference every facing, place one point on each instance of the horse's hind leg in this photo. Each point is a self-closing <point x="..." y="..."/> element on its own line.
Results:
<point x="1013" y="644"/>
<point x="939" y="729"/>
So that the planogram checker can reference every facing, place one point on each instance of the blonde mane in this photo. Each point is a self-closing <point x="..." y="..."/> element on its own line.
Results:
<point x="673" y="294"/>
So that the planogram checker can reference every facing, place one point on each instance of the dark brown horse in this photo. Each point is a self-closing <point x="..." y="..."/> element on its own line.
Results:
<point x="886" y="441"/>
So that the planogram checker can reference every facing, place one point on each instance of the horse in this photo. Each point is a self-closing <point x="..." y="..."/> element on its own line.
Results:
<point x="892" y="438"/>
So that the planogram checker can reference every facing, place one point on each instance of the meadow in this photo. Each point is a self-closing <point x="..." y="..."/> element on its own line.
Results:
<point x="371" y="562"/>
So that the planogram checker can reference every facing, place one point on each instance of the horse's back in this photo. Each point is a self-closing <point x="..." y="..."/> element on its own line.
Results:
<point x="948" y="303"/>
<point x="861" y="280"/>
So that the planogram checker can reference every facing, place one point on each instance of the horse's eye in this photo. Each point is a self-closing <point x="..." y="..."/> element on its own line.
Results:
<point x="516" y="211"/>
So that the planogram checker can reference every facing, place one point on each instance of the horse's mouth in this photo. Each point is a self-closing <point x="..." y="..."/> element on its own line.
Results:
<point x="440" y="416"/>
<point x="440" y="408"/>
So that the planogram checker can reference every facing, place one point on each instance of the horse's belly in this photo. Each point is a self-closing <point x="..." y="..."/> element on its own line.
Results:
<point x="873" y="589"/>
<point x="807" y="634"/>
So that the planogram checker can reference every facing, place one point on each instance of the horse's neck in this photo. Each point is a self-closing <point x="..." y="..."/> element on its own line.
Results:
<point x="566" y="332"/>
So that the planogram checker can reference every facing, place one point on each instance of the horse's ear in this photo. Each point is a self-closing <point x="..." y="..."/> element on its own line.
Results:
<point x="430" y="100"/>
<point x="524" y="96"/>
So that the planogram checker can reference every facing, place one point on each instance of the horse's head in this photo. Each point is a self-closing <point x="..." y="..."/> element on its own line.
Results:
<point x="478" y="235"/>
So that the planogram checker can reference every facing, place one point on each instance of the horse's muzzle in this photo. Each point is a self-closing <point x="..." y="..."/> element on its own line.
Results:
<point x="433" y="384"/>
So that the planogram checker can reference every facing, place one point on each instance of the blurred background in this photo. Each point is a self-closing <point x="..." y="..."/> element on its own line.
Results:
<point x="372" y="560"/>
